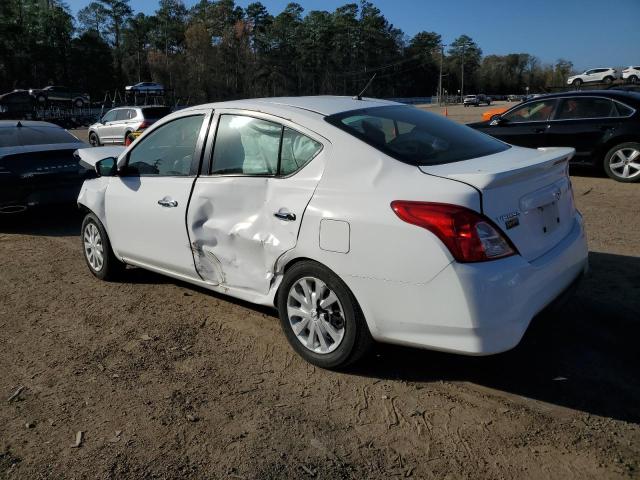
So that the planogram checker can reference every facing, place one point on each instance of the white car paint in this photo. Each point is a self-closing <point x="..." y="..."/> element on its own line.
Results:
<point x="408" y="284"/>
<point x="631" y="73"/>
<point x="594" y="75"/>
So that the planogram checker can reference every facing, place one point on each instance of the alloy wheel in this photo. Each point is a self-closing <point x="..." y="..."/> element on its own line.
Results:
<point x="625" y="162"/>
<point x="93" y="247"/>
<point x="316" y="315"/>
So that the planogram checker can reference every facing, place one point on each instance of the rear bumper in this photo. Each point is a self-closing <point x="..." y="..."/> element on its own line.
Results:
<point x="474" y="309"/>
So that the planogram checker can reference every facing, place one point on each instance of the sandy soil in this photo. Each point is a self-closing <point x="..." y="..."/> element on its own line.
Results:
<point x="170" y="381"/>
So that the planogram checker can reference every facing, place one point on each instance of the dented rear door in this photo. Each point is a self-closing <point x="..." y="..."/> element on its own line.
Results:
<point x="243" y="215"/>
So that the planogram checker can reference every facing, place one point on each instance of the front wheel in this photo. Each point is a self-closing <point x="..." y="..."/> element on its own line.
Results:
<point x="321" y="318"/>
<point x="94" y="141"/>
<point x="622" y="162"/>
<point x="79" y="103"/>
<point x="633" y="79"/>
<point x="98" y="254"/>
<point x="577" y="82"/>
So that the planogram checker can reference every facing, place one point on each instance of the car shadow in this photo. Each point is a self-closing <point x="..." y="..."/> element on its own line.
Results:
<point x="58" y="221"/>
<point x="584" y="356"/>
<point x="588" y="171"/>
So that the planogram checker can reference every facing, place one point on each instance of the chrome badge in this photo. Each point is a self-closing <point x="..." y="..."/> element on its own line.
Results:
<point x="511" y="219"/>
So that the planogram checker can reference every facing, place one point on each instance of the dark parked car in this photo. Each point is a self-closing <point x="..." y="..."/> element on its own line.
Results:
<point x="16" y="104"/>
<point x="37" y="165"/>
<point x="60" y="95"/>
<point x="603" y="127"/>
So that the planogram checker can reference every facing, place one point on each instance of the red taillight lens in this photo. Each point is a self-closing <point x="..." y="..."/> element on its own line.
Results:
<point x="469" y="236"/>
<point x="143" y="125"/>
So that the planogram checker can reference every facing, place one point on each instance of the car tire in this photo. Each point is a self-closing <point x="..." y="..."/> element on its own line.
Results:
<point x="97" y="251"/>
<point x="608" y="80"/>
<point x="576" y="83"/>
<point x="79" y="103"/>
<point x="41" y="99"/>
<point x="633" y="79"/>
<point x="94" y="140"/>
<point x="337" y="327"/>
<point x="615" y="166"/>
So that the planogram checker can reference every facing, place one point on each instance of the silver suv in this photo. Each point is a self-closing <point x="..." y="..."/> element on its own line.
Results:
<point x="123" y="125"/>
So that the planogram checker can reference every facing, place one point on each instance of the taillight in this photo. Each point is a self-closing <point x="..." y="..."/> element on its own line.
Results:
<point x="144" y="125"/>
<point x="469" y="236"/>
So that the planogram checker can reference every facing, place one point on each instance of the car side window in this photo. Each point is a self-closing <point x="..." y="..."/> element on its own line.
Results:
<point x="168" y="150"/>
<point x="623" y="110"/>
<point x="297" y="150"/>
<point x="122" y="114"/>
<point x="577" y="108"/>
<point x="109" y="116"/>
<point x="246" y="146"/>
<point x="539" y="111"/>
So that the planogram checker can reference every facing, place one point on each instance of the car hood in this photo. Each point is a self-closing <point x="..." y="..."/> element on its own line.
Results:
<point x="90" y="156"/>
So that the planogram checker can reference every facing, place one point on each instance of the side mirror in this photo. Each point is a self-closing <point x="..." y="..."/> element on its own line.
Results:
<point x="497" y="120"/>
<point x="106" y="167"/>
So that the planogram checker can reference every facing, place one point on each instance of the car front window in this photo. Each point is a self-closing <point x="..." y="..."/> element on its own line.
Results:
<point x="539" y="111"/>
<point x="168" y="150"/>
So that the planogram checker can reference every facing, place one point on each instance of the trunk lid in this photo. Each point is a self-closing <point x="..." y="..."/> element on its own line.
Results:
<point x="526" y="192"/>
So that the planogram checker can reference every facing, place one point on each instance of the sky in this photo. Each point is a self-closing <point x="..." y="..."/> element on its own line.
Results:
<point x="590" y="33"/>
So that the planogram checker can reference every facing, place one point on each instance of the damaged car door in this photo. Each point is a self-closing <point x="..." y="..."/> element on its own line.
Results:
<point x="247" y="208"/>
<point x="146" y="203"/>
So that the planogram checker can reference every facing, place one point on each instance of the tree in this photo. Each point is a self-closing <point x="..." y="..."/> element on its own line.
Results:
<point x="94" y="18"/>
<point x="464" y="59"/>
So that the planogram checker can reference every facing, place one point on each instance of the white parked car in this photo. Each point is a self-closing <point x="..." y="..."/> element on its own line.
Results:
<point x="357" y="219"/>
<point x="122" y="125"/>
<point x="601" y="75"/>
<point x="631" y="74"/>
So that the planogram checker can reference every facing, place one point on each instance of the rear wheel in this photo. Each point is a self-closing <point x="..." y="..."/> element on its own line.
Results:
<point x="321" y="318"/>
<point x="98" y="254"/>
<point x="79" y="103"/>
<point x="633" y="79"/>
<point x="608" y="80"/>
<point x="94" y="140"/>
<point x="622" y="162"/>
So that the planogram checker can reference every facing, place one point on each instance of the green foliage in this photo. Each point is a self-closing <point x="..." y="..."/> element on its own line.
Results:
<point x="218" y="50"/>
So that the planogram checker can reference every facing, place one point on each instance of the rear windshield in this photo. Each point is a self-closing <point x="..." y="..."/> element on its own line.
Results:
<point x="22" y="136"/>
<point x="416" y="137"/>
<point x="155" y="113"/>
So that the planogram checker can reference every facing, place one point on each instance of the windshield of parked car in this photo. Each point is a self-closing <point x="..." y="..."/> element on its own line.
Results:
<point x="414" y="136"/>
<point x="22" y="136"/>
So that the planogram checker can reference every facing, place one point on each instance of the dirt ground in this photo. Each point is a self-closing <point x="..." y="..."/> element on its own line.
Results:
<point x="170" y="381"/>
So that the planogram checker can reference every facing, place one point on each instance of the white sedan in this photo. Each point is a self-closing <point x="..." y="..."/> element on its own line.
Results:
<point x="359" y="220"/>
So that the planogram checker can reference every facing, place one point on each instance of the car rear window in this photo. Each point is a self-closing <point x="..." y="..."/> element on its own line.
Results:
<point x="21" y="136"/>
<point x="414" y="136"/>
<point x="155" y="113"/>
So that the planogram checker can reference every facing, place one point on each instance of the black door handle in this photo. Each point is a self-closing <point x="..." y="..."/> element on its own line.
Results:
<point x="288" y="216"/>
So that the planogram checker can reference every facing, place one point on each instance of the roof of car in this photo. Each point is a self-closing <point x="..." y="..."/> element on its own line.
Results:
<point x="618" y="94"/>
<point x="27" y="123"/>
<point x="322" y="104"/>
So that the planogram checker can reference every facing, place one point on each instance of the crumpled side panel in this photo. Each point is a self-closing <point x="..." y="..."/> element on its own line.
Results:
<point x="232" y="232"/>
<point x="92" y="196"/>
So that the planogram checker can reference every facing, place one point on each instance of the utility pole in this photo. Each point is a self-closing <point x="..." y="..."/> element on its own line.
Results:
<point x="442" y="45"/>
<point x="462" y="78"/>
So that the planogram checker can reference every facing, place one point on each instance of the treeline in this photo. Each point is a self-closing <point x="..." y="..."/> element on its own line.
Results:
<point x="218" y="50"/>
